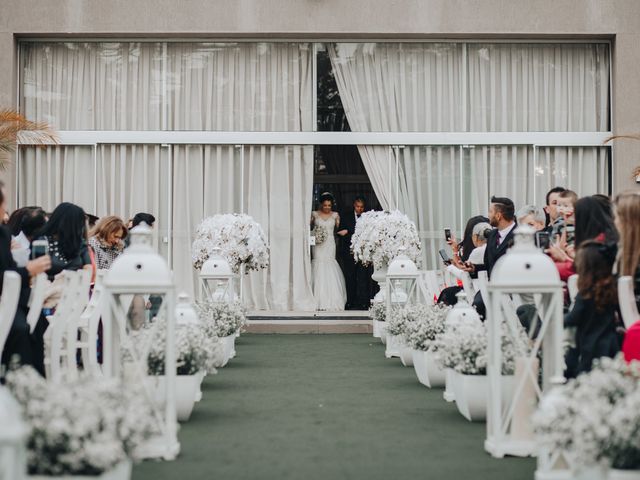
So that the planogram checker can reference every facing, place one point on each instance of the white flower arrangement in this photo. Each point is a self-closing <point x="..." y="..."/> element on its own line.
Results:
<point x="195" y="350"/>
<point x="382" y="236"/>
<point x="83" y="427"/>
<point x="378" y="311"/>
<point x="426" y="323"/>
<point x="463" y="348"/>
<point x="596" y="417"/>
<point x="239" y="238"/>
<point x="320" y="234"/>
<point x="221" y="319"/>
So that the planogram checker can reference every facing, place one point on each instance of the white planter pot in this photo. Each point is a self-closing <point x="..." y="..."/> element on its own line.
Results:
<point x="121" y="471"/>
<point x="393" y="346"/>
<point x="383" y="333"/>
<point x="472" y="392"/>
<point x="199" y="392"/>
<point x="380" y="277"/>
<point x="406" y="355"/>
<point x="376" y="328"/>
<point x="449" y="394"/>
<point x="427" y="370"/>
<point x="616" y="474"/>
<point x="187" y="387"/>
<point x="228" y="348"/>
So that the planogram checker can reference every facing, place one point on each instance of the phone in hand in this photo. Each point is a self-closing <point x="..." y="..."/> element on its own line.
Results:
<point x="447" y="234"/>
<point x="445" y="258"/>
<point x="39" y="248"/>
<point x="543" y="240"/>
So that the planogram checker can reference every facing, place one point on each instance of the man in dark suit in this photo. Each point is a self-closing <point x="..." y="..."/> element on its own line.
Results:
<point x="355" y="274"/>
<point x="499" y="240"/>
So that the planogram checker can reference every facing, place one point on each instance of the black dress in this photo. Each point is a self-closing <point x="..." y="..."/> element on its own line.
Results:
<point x="596" y="334"/>
<point x="59" y="262"/>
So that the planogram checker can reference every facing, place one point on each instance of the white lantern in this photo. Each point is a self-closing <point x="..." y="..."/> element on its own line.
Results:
<point x="217" y="279"/>
<point x="185" y="313"/>
<point x="524" y="270"/>
<point x="402" y="283"/>
<point x="138" y="274"/>
<point x="13" y="435"/>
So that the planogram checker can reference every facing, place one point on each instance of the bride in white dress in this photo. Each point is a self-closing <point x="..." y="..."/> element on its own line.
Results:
<point x="328" y="281"/>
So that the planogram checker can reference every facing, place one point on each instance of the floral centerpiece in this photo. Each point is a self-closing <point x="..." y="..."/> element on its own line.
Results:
<point x="596" y="417"/>
<point x="238" y="237"/>
<point x="319" y="233"/>
<point x="427" y="323"/>
<point x="195" y="351"/>
<point x="378" y="311"/>
<point x="84" y="427"/>
<point x="381" y="236"/>
<point x="221" y="319"/>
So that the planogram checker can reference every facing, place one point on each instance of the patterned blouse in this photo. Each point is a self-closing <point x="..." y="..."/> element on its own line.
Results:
<point x="105" y="255"/>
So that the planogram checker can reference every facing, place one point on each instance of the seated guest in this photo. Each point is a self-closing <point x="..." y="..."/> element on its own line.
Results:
<point x="594" y="314"/>
<point x="480" y="233"/>
<point x="565" y="223"/>
<point x="31" y="220"/>
<point x="21" y="344"/>
<point x="532" y="216"/>
<point x="66" y="232"/>
<point x="106" y="240"/>
<point x="551" y="207"/>
<point x="626" y="219"/>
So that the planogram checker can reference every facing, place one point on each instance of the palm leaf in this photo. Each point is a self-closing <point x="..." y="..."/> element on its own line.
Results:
<point x="14" y="128"/>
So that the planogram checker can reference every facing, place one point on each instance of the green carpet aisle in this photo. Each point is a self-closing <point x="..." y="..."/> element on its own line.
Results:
<point x="326" y="407"/>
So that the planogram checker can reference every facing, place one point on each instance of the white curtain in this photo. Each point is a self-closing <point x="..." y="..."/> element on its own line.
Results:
<point x="500" y="87"/>
<point x="253" y="87"/>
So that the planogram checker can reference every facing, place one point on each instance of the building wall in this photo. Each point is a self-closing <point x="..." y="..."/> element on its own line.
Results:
<point x="618" y="20"/>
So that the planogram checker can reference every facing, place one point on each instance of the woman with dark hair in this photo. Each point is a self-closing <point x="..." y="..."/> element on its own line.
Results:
<point x="594" y="220"/>
<point x="66" y="232"/>
<point x="461" y="251"/>
<point x="329" y="287"/>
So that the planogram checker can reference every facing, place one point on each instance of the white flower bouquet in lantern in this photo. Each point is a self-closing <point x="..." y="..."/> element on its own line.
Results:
<point x="378" y="311"/>
<point x="221" y="319"/>
<point x="595" y="418"/>
<point x="381" y="236"/>
<point x="426" y="323"/>
<point x="239" y="238"/>
<point x="85" y="427"/>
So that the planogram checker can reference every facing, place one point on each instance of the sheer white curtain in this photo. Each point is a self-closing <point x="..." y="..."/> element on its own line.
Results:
<point x="254" y="87"/>
<point x="499" y="87"/>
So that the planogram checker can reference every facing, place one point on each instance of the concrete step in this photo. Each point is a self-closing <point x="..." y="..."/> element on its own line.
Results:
<point x="309" y="322"/>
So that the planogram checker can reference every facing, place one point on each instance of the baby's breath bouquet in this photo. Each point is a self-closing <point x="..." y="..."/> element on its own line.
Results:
<point x="319" y="233"/>
<point x="463" y="348"/>
<point x="596" y="417"/>
<point x="378" y="311"/>
<point x="238" y="237"/>
<point x="82" y="427"/>
<point x="195" y="350"/>
<point x="221" y="319"/>
<point x="426" y="323"/>
<point x="399" y="321"/>
<point x="381" y="236"/>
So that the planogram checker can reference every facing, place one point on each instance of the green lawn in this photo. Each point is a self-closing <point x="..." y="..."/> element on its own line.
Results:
<point x="326" y="407"/>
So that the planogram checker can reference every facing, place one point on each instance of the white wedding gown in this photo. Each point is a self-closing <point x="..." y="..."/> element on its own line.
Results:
<point x="328" y="282"/>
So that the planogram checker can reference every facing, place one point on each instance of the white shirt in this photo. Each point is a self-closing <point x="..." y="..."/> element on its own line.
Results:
<point x="477" y="255"/>
<point x="21" y="255"/>
<point x="504" y="232"/>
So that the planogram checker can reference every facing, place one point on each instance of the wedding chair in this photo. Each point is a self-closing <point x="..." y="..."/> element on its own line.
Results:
<point x="429" y="283"/>
<point x="36" y="301"/>
<point x="483" y="286"/>
<point x="572" y="286"/>
<point x="70" y="344"/>
<point x="55" y="335"/>
<point x="88" y="326"/>
<point x="8" y="304"/>
<point x="467" y="286"/>
<point x="627" y="301"/>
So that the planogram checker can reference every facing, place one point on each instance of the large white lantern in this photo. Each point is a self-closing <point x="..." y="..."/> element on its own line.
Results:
<point x="13" y="435"/>
<point x="217" y="279"/>
<point x="523" y="272"/>
<point x="136" y="276"/>
<point x="402" y="283"/>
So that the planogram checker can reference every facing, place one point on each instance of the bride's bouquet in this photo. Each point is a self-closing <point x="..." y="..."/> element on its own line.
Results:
<point x="320" y="234"/>
<point x="239" y="238"/>
<point x="382" y="236"/>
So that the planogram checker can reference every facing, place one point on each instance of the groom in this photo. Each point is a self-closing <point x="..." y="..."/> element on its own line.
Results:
<point x="356" y="275"/>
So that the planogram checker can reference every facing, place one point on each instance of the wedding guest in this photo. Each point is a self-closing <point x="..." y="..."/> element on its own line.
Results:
<point x="92" y="220"/>
<point x="627" y="220"/>
<point x="66" y="232"/>
<point x="532" y="216"/>
<point x="594" y="314"/>
<point x="24" y="225"/>
<point x="550" y="209"/>
<point x="106" y="240"/>
<point x="21" y="344"/>
<point x="565" y="222"/>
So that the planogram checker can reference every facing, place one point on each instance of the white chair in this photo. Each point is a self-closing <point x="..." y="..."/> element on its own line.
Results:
<point x="483" y="286"/>
<point x="627" y="301"/>
<point x="429" y="282"/>
<point x="88" y="326"/>
<point x="73" y="320"/>
<point x="467" y="286"/>
<point x="38" y="292"/>
<point x="11" y="286"/>
<point x="572" y="286"/>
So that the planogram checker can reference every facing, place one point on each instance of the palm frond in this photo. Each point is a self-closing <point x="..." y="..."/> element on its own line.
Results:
<point x="14" y="128"/>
